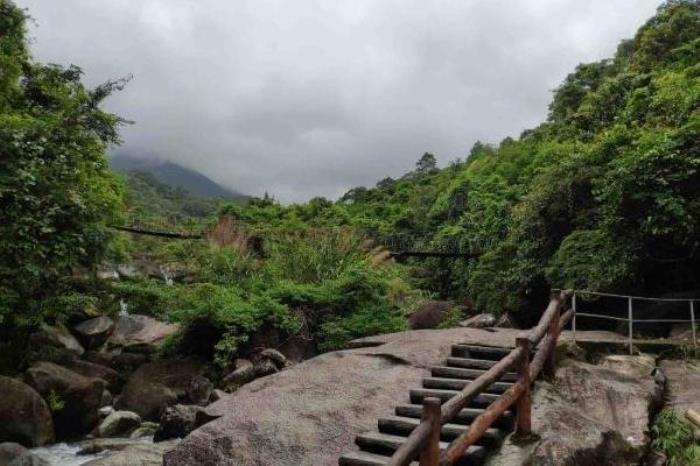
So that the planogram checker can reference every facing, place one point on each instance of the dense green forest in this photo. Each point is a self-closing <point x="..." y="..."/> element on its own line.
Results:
<point x="604" y="195"/>
<point x="146" y="197"/>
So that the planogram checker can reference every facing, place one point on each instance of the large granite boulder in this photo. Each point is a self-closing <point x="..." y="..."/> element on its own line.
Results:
<point x="683" y="386"/>
<point x="139" y="333"/>
<point x="24" y="416"/>
<point x="479" y="321"/>
<point x="429" y="315"/>
<point x="179" y="420"/>
<point x="112" y="378"/>
<point x="590" y="414"/>
<point x="55" y="341"/>
<point x="159" y="384"/>
<point x="78" y="398"/>
<point x="118" y="424"/>
<point x="124" y="363"/>
<point x="94" y="332"/>
<point x="243" y="373"/>
<point x="310" y="413"/>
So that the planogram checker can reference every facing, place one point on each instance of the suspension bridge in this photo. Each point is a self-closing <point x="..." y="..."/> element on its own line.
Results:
<point x="399" y="245"/>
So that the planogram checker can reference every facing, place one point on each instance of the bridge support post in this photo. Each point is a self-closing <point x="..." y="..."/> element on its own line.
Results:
<point x="523" y="406"/>
<point x="430" y="453"/>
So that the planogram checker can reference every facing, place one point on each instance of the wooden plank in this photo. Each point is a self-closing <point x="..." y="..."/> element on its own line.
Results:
<point x="454" y="405"/>
<point x="467" y="439"/>
<point x="460" y="373"/>
<point x="465" y="416"/>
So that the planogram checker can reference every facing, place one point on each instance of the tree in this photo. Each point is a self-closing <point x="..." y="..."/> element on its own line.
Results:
<point x="426" y="164"/>
<point x="56" y="192"/>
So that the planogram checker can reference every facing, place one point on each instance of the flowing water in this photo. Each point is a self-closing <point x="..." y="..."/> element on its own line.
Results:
<point x="64" y="454"/>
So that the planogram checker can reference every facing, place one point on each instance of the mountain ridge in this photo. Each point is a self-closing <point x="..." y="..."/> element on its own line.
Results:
<point x="175" y="175"/>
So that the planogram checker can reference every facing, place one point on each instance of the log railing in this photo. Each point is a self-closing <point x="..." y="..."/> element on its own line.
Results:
<point x="423" y="442"/>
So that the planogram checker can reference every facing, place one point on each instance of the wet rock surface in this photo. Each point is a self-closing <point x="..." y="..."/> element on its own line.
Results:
<point x="14" y="454"/>
<point x="139" y="454"/>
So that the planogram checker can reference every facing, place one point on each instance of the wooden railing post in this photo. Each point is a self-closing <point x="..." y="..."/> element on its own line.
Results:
<point x="523" y="405"/>
<point x="430" y="453"/>
<point x="550" y="363"/>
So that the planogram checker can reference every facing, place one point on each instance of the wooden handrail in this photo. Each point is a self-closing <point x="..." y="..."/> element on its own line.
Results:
<point x="518" y="392"/>
<point x="427" y="430"/>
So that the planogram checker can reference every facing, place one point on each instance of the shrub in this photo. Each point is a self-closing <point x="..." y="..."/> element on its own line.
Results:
<point x="674" y="437"/>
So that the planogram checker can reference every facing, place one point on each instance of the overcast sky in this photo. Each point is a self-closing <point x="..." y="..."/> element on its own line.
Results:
<point x="312" y="97"/>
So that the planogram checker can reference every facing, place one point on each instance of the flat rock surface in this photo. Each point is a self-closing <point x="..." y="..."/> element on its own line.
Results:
<point x="309" y="414"/>
<point x="683" y="384"/>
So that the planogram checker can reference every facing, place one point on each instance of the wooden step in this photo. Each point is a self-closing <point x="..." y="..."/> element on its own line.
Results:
<point x="492" y="353"/>
<point x="398" y="425"/>
<point x="465" y="416"/>
<point x="459" y="384"/>
<point x="363" y="458"/>
<point x="418" y="394"/>
<point x="385" y="444"/>
<point x="470" y="363"/>
<point x="466" y="374"/>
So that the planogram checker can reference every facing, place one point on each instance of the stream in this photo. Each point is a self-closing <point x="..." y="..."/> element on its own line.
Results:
<point x="68" y="454"/>
<point x="65" y="454"/>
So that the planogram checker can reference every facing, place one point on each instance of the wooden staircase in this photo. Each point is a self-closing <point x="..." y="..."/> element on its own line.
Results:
<point x="466" y="363"/>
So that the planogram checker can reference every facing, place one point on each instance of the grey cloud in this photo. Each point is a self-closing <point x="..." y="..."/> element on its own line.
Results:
<point x="313" y="97"/>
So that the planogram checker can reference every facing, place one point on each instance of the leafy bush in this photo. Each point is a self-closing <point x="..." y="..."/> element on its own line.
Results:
<point x="56" y="192"/>
<point x="148" y="297"/>
<point x="674" y="437"/>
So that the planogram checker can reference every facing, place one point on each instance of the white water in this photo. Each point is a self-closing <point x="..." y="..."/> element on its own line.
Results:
<point x="64" y="454"/>
<point x="123" y="308"/>
<point x="167" y="276"/>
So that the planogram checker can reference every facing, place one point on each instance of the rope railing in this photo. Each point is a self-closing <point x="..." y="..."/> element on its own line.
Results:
<point x="423" y="442"/>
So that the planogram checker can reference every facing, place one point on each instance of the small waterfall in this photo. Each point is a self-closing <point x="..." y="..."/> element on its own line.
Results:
<point x="167" y="276"/>
<point x="123" y="308"/>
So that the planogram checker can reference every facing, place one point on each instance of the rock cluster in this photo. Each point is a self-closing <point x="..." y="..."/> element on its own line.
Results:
<point x="98" y="379"/>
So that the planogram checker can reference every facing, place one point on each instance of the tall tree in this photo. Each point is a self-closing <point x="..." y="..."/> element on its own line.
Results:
<point x="56" y="191"/>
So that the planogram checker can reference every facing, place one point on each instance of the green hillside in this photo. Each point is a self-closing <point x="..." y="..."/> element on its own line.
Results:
<point x="603" y="195"/>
